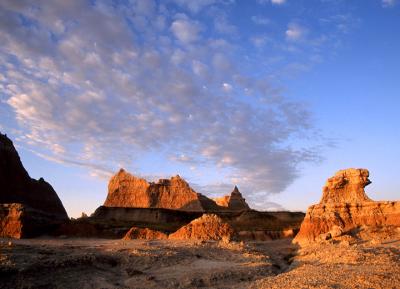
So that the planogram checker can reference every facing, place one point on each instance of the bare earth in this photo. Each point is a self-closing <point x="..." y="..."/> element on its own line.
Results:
<point x="99" y="263"/>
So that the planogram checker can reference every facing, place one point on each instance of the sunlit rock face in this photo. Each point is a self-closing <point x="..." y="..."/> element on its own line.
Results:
<point x="126" y="190"/>
<point x="233" y="202"/>
<point x="22" y="199"/>
<point x="207" y="227"/>
<point x="145" y="234"/>
<point x="346" y="186"/>
<point x="345" y="207"/>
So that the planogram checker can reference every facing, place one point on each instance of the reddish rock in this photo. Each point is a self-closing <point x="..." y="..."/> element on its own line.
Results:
<point x="126" y="190"/>
<point x="345" y="207"/>
<point x="21" y="221"/>
<point x="234" y="202"/>
<point x="207" y="227"/>
<point x="11" y="221"/>
<point x="16" y="186"/>
<point x="144" y="233"/>
<point x="346" y="186"/>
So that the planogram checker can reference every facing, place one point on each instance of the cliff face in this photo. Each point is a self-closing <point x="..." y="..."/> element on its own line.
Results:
<point x="126" y="190"/>
<point x="28" y="207"/>
<point x="16" y="186"/>
<point x="345" y="207"/>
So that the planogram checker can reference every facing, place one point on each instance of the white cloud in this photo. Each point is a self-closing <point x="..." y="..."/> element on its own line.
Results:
<point x="388" y="3"/>
<point x="274" y="2"/>
<point x="185" y="30"/>
<point x="278" y="2"/>
<point x="227" y="87"/>
<point x="295" y="32"/>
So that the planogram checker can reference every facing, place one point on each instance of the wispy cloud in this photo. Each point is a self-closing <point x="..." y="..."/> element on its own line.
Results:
<point x="274" y="2"/>
<point x="260" y="20"/>
<point x="388" y="3"/>
<point x="295" y="32"/>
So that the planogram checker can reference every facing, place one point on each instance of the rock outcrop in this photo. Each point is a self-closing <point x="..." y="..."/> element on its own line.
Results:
<point x="20" y="194"/>
<point x="233" y="202"/>
<point x="207" y="227"/>
<point x="21" y="221"/>
<point x="145" y="234"/>
<point x="344" y="208"/>
<point x="126" y="190"/>
<point x="346" y="186"/>
<point x="16" y="186"/>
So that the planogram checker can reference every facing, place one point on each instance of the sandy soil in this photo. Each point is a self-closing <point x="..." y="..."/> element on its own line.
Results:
<point x="97" y="263"/>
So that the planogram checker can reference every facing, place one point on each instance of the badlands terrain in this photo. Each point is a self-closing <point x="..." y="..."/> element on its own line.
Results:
<point x="165" y="235"/>
<point x="100" y="263"/>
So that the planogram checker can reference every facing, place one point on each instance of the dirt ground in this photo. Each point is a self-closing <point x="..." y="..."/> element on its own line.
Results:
<point x="99" y="263"/>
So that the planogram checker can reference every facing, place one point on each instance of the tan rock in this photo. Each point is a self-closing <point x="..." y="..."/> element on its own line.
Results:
<point x="345" y="207"/>
<point x="233" y="202"/>
<point x="126" y="190"/>
<point x="346" y="186"/>
<point x="207" y="227"/>
<point x="144" y="233"/>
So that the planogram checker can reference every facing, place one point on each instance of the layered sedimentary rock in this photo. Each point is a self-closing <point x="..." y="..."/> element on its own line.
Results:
<point x="346" y="186"/>
<point x="145" y="234"/>
<point x="126" y="190"/>
<point x="233" y="202"/>
<point x="345" y="207"/>
<point x="22" y="198"/>
<point x="207" y="227"/>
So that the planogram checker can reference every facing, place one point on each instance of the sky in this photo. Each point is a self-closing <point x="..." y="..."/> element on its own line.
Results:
<point x="274" y="96"/>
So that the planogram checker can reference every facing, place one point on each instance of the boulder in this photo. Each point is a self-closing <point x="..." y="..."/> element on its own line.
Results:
<point x="144" y="233"/>
<point x="207" y="227"/>
<point x="344" y="208"/>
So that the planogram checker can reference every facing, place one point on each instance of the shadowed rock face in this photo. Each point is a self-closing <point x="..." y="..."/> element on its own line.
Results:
<point x="16" y="186"/>
<point x="126" y="190"/>
<point x="28" y="207"/>
<point x="345" y="207"/>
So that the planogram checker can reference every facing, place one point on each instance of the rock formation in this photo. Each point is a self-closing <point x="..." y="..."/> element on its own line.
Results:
<point x="144" y="233"/>
<point x="207" y="227"/>
<point x="234" y="202"/>
<point x="126" y="190"/>
<point x="346" y="186"/>
<point x="28" y="195"/>
<point x="345" y="207"/>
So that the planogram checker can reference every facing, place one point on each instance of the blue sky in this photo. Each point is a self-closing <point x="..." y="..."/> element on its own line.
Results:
<point x="271" y="95"/>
